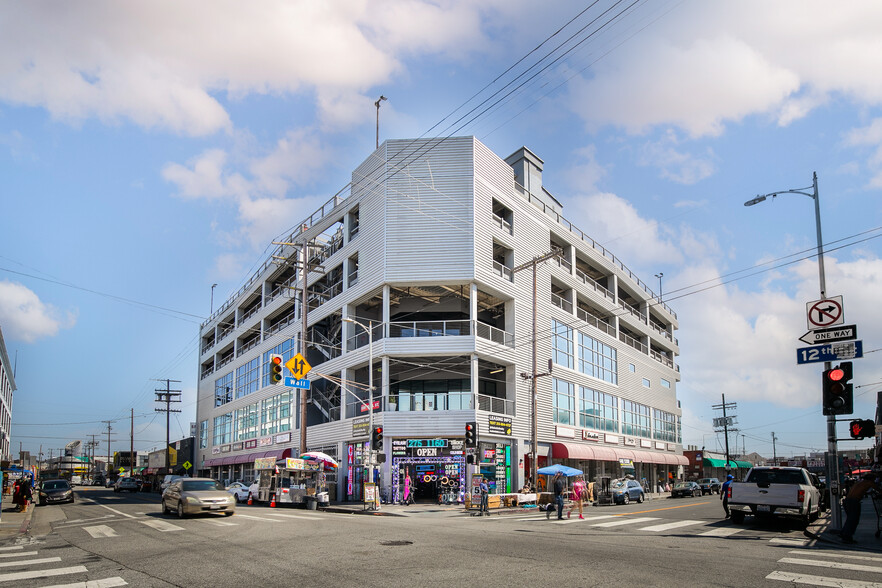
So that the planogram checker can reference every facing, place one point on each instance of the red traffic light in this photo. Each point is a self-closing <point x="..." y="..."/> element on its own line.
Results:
<point x="836" y="374"/>
<point x="379" y="430"/>
<point x="469" y="427"/>
<point x="276" y="359"/>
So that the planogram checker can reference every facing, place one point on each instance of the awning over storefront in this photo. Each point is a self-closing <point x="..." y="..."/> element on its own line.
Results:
<point x="583" y="451"/>
<point x="247" y="457"/>
<point x="721" y="463"/>
<point x="624" y="454"/>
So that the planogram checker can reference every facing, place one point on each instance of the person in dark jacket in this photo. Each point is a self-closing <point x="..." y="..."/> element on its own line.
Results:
<point x="724" y="493"/>
<point x="852" y="504"/>
<point x="559" y="486"/>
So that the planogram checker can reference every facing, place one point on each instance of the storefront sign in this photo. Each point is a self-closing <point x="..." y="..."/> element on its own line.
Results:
<point x="363" y="407"/>
<point x="251" y="444"/>
<point x="264" y="463"/>
<point x="626" y="463"/>
<point x="565" y="432"/>
<point x="225" y="448"/>
<point x="282" y="438"/>
<point x="589" y="436"/>
<point x="659" y="445"/>
<point x="215" y="450"/>
<point x="265" y="441"/>
<point x="632" y="441"/>
<point x="292" y="463"/>
<point x="427" y="443"/>
<point x="500" y="425"/>
<point x="237" y="447"/>
<point x="646" y="443"/>
<point x="611" y="439"/>
<point x="425" y="451"/>
<point x="672" y="447"/>
<point x="360" y="427"/>
<point x="427" y="447"/>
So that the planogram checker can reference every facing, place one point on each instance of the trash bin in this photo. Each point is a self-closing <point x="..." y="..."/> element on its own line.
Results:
<point x="311" y="503"/>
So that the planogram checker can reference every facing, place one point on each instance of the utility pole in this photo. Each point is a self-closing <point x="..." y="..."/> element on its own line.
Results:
<point x="725" y="423"/>
<point x="132" y="447"/>
<point x="534" y="375"/>
<point x="774" y="455"/>
<point x="167" y="396"/>
<point x="108" y="447"/>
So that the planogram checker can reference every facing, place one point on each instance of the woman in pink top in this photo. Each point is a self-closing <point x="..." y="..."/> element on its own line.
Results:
<point x="580" y="493"/>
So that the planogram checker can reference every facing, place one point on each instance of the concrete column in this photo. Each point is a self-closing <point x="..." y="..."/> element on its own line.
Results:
<point x="474" y="378"/>
<point x="387" y="290"/>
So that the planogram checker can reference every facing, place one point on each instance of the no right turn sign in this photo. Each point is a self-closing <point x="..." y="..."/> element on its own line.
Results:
<point x="824" y="313"/>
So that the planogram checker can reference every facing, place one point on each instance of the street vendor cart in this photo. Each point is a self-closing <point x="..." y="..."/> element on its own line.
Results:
<point x="291" y="481"/>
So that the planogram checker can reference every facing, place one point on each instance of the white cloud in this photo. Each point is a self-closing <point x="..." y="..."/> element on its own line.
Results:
<point x="584" y="176"/>
<point x="24" y="317"/>
<point x="676" y="165"/>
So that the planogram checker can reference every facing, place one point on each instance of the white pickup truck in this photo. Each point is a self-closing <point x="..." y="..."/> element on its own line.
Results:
<point x="775" y="492"/>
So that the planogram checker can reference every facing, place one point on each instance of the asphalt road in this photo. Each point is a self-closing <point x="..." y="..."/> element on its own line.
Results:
<point x="115" y="540"/>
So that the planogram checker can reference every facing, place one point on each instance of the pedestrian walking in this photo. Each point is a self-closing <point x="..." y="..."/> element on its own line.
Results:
<point x="724" y="493"/>
<point x="485" y="494"/>
<point x="559" y="486"/>
<point x="580" y="493"/>
<point x="852" y="505"/>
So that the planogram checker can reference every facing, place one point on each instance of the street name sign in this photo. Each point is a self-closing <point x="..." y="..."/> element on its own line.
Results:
<point x="830" y="352"/>
<point x="824" y="313"/>
<point x="296" y="383"/>
<point x="830" y="334"/>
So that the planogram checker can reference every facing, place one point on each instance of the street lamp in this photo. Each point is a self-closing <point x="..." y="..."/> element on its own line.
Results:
<point x="832" y="449"/>
<point x="370" y="333"/>
<point x="659" y="275"/>
<point x="377" y="104"/>
<point x="213" y="286"/>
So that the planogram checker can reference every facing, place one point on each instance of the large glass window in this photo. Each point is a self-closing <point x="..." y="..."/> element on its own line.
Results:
<point x="664" y="426"/>
<point x="598" y="410"/>
<point x="432" y="394"/>
<point x="597" y="359"/>
<point x="203" y="434"/>
<point x="562" y="344"/>
<point x="247" y="422"/>
<point x="564" y="408"/>
<point x="223" y="429"/>
<point x="223" y="389"/>
<point x="247" y="378"/>
<point x="275" y="414"/>
<point x="635" y="419"/>
<point x="287" y="349"/>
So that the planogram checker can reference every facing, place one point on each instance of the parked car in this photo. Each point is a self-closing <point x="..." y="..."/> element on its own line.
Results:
<point x="54" y="491"/>
<point x="98" y="481"/>
<point x="239" y="491"/>
<point x="144" y="485"/>
<point x="109" y="483"/>
<point x="126" y="483"/>
<point x="168" y="479"/>
<point x="624" y="491"/>
<point x="188" y="496"/>
<point x="709" y="486"/>
<point x="686" y="489"/>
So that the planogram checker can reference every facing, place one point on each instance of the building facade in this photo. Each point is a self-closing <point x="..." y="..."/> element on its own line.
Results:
<point x="7" y="388"/>
<point x="421" y="283"/>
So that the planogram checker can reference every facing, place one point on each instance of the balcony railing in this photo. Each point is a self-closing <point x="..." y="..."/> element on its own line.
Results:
<point x="206" y="371"/>
<point x="225" y="360"/>
<point x="661" y="331"/>
<point x="226" y="331"/>
<point x="352" y="278"/>
<point x="503" y="271"/>
<point x="359" y="408"/>
<point x="596" y="322"/>
<point x="249" y="313"/>
<point x="360" y="338"/>
<point x="503" y="224"/>
<point x="661" y="358"/>
<point x="633" y="310"/>
<point x="496" y="404"/>
<point x="639" y="346"/>
<point x="491" y="333"/>
<point x="287" y="320"/>
<point x="589" y="281"/>
<point x="208" y="345"/>
<point x="564" y="263"/>
<point x="420" y="401"/>
<point x="430" y="328"/>
<point x="561" y="303"/>
<point x="246" y="346"/>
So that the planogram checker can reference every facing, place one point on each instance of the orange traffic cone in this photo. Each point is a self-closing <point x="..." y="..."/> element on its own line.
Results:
<point x="249" y="499"/>
<point x="273" y="502"/>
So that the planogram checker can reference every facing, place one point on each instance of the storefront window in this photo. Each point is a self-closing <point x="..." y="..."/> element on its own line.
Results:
<point x="564" y="402"/>
<point x="598" y="410"/>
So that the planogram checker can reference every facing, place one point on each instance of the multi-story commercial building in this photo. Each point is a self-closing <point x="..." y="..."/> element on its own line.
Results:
<point x="7" y="387"/>
<point x="422" y="284"/>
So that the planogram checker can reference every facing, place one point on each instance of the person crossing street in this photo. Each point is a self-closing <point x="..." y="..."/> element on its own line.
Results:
<point x="724" y="493"/>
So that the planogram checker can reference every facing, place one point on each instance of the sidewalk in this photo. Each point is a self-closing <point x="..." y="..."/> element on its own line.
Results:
<point x="864" y="536"/>
<point x="13" y="524"/>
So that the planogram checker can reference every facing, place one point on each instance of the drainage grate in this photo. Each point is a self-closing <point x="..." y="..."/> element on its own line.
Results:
<point x="396" y="543"/>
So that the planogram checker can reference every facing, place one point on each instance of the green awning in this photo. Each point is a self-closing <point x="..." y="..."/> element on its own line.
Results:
<point x="721" y="463"/>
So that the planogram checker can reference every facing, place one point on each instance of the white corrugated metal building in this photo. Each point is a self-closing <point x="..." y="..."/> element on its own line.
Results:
<point x="422" y="250"/>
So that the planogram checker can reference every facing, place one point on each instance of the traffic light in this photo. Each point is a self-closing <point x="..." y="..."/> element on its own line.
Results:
<point x="275" y="369"/>
<point x="862" y="428"/>
<point x="838" y="392"/>
<point x="471" y="434"/>
<point x="377" y="439"/>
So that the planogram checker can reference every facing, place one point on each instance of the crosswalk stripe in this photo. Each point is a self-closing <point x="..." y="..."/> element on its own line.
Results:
<point x="98" y="531"/>
<point x="29" y="562"/>
<point x="668" y="526"/>
<point x="624" y="521"/>
<point x="13" y="576"/>
<point x="217" y="523"/>
<point x="103" y="583"/>
<point x="793" y="542"/>
<point x="293" y="516"/>
<point x="242" y="516"/>
<point x="13" y="548"/>
<point x="19" y="554"/>
<point x="830" y="564"/>
<point x="722" y="532"/>
<point x="840" y="554"/>
<point x="819" y="580"/>
<point x="163" y="526"/>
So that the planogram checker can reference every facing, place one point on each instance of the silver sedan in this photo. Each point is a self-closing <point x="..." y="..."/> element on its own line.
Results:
<point x="189" y="496"/>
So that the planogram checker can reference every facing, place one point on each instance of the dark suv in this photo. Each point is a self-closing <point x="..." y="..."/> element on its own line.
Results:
<point x="709" y="486"/>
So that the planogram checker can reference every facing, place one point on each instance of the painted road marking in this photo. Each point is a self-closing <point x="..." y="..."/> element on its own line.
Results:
<point x="19" y="554"/>
<point x="13" y="576"/>
<point x="241" y="516"/>
<point x="293" y="516"/>
<point x="623" y="521"/>
<point x="163" y="526"/>
<point x="820" y="580"/>
<point x="674" y="525"/>
<point x="104" y="583"/>
<point x="13" y="548"/>
<point x="830" y="564"/>
<point x="99" y="531"/>
<point x="721" y="532"/>
<point x="791" y="542"/>
<point x="840" y="554"/>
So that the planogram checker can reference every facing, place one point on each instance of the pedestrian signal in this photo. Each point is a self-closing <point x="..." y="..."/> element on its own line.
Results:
<point x="275" y="369"/>
<point x="862" y="428"/>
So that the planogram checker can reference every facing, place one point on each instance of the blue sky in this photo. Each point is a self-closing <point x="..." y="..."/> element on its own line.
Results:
<point x="150" y="150"/>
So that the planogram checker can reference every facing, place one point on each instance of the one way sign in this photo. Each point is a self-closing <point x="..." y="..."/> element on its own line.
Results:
<point x="830" y="335"/>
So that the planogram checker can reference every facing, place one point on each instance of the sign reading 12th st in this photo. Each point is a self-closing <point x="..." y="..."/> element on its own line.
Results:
<point x="831" y="352"/>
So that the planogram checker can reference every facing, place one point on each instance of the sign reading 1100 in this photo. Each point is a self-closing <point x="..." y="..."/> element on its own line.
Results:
<point x="427" y="442"/>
